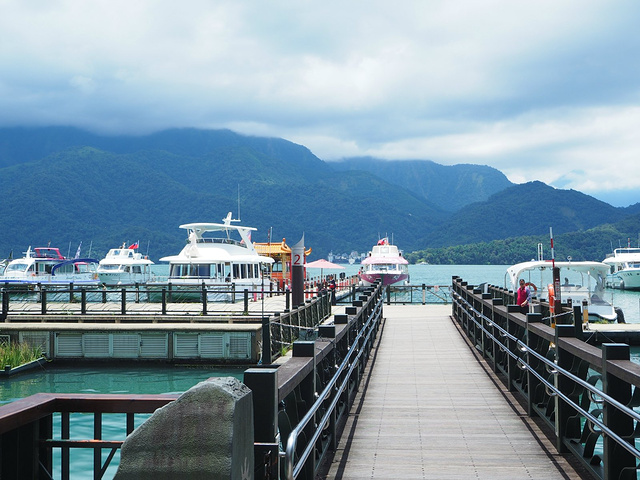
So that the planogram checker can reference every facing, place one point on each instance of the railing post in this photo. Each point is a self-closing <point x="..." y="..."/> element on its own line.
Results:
<point x="104" y="294"/>
<point x="308" y="391"/>
<point x="287" y="295"/>
<point x="266" y="341"/>
<point x="123" y="301"/>
<point x="616" y="459"/>
<point x="164" y="301"/>
<point x="204" y="299"/>
<point x="5" y="305"/>
<point x="512" y="363"/>
<point x="532" y="342"/>
<point x="562" y="410"/>
<point x="83" y="300"/>
<point x="71" y="292"/>
<point x="263" y="383"/>
<point x="424" y="294"/>
<point x="43" y="300"/>
<point x="246" y="302"/>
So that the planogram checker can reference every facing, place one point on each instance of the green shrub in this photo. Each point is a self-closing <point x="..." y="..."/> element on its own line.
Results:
<point x="16" y="354"/>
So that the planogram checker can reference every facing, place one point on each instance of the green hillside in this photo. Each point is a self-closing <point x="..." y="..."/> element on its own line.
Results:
<point x="64" y="186"/>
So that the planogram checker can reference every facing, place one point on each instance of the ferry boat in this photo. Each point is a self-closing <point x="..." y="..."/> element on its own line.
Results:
<point x="122" y="266"/>
<point x="217" y="256"/>
<point x="46" y="266"/>
<point x="579" y="282"/>
<point x="624" y="271"/>
<point x="386" y="263"/>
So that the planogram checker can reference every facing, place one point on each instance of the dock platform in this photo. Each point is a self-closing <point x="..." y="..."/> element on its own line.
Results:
<point x="428" y="410"/>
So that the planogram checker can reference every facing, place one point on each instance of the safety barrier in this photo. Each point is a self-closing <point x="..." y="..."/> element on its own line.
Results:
<point x="585" y="394"/>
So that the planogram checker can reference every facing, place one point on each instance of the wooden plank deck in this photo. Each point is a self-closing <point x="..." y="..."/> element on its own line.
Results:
<point x="429" y="410"/>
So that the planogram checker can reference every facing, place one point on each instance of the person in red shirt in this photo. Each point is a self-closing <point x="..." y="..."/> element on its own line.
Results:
<point x="523" y="297"/>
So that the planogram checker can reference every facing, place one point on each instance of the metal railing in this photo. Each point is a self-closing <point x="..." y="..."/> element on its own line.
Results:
<point x="585" y="394"/>
<point x="298" y="409"/>
<point x="304" y="401"/>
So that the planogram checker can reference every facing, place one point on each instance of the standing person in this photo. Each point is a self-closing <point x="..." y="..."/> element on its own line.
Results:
<point x="523" y="297"/>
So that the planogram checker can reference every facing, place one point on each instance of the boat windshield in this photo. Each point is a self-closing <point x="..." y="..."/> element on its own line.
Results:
<point x="17" y="267"/>
<point x="110" y="268"/>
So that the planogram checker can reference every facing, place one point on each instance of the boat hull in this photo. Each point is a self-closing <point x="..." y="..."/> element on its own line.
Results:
<point x="386" y="278"/>
<point x="628" y="279"/>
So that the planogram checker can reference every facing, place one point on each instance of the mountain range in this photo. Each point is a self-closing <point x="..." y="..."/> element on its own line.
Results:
<point x="63" y="186"/>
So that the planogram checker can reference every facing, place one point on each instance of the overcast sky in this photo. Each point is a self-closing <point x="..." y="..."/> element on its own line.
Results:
<point x="541" y="90"/>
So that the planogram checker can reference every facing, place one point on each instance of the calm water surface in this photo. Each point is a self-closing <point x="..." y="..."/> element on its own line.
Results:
<point x="135" y="378"/>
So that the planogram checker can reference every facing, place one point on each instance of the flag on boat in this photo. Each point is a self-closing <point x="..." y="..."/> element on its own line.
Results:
<point x="134" y="246"/>
<point x="383" y="241"/>
<point x="78" y="251"/>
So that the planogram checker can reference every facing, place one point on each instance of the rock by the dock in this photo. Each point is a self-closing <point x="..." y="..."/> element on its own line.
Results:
<point x="206" y="433"/>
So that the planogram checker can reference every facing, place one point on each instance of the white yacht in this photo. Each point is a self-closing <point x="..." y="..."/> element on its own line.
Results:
<point x="218" y="256"/>
<point x="624" y="271"/>
<point x="46" y="266"/>
<point x="579" y="281"/>
<point x="385" y="263"/>
<point x="124" y="266"/>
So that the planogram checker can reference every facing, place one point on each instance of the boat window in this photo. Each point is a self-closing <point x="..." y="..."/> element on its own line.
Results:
<point x="203" y="270"/>
<point x="136" y="269"/>
<point x="236" y="271"/>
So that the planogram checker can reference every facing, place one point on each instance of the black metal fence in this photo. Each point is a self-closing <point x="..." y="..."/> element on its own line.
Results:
<point x="299" y="405"/>
<point x="587" y="395"/>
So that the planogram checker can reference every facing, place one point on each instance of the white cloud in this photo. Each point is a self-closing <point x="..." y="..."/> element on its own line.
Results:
<point x="541" y="90"/>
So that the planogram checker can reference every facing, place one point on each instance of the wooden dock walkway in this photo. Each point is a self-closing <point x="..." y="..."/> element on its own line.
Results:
<point x="428" y="410"/>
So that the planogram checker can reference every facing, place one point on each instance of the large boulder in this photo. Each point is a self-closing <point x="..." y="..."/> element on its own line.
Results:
<point x="206" y="433"/>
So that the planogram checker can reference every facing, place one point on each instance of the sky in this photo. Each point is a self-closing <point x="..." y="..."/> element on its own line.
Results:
<point x="540" y="90"/>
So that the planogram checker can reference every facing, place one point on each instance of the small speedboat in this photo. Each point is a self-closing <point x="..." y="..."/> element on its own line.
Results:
<point x="124" y="265"/>
<point x="580" y="282"/>
<point x="385" y="263"/>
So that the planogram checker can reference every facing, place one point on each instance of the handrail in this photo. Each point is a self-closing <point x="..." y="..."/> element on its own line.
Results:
<point x="480" y="316"/>
<point x="292" y="469"/>
<point x="552" y="386"/>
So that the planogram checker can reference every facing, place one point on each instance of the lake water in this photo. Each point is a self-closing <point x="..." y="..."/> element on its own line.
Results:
<point x="135" y="378"/>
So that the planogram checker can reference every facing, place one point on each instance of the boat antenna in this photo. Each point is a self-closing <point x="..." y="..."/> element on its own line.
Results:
<point x="238" y="202"/>
<point x="148" y="242"/>
<point x="90" y="245"/>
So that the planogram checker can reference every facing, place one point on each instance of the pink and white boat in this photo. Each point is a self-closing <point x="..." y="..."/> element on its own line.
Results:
<point x="386" y="263"/>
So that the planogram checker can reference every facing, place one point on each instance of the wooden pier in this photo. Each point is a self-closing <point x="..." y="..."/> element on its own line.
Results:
<point x="429" y="410"/>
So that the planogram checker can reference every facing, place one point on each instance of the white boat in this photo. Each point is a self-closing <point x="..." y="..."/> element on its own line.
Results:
<point x="46" y="266"/>
<point x="124" y="266"/>
<point x="624" y="271"/>
<point x="385" y="263"/>
<point x="218" y="256"/>
<point x="579" y="281"/>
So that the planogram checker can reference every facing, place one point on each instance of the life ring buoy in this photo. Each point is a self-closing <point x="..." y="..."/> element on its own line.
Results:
<point x="552" y="299"/>
<point x="529" y="284"/>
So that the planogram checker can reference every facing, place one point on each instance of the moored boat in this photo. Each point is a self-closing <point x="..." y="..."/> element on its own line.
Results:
<point x="385" y="263"/>
<point x="581" y="282"/>
<point x="46" y="266"/>
<point x="624" y="271"/>
<point x="219" y="257"/>
<point x="124" y="265"/>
